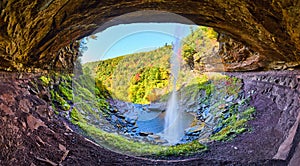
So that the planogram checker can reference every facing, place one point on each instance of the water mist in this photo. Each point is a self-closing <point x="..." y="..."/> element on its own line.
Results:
<point x="173" y="130"/>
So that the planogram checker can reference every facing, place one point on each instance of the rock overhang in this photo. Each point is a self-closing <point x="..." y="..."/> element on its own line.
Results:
<point x="36" y="36"/>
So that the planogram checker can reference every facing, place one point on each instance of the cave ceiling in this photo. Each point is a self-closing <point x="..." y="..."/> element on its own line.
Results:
<point x="34" y="33"/>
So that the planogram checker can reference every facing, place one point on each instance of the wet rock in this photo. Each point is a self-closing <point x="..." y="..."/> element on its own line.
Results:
<point x="205" y="113"/>
<point x="204" y="137"/>
<point x="131" y="117"/>
<point x="195" y="130"/>
<point x="227" y="115"/>
<point x="120" y="116"/>
<point x="122" y="122"/>
<point x="136" y="130"/>
<point x="132" y="128"/>
<point x="188" y="138"/>
<point x="130" y="120"/>
<point x="113" y="118"/>
<point x="229" y="99"/>
<point x="157" y="107"/>
<point x="209" y="119"/>
<point x="113" y="110"/>
<point x="145" y="134"/>
<point x="153" y="137"/>
<point x="160" y="141"/>
<point x="217" y="129"/>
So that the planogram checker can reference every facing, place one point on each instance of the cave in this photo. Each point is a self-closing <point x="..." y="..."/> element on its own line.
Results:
<point x="259" y="44"/>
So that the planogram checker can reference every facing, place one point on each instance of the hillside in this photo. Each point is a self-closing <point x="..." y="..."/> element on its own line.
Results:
<point x="144" y="77"/>
<point x="90" y="68"/>
<point x="121" y="73"/>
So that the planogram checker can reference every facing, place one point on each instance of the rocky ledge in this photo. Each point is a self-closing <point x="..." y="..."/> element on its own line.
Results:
<point x="32" y="135"/>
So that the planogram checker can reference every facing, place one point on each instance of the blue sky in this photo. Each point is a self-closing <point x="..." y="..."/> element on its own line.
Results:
<point x="130" y="38"/>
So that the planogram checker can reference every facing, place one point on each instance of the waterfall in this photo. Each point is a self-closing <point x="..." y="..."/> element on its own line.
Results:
<point x="173" y="130"/>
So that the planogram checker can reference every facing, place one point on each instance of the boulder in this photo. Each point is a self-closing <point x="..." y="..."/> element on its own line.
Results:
<point x="145" y="133"/>
<point x="153" y="137"/>
<point x="194" y="130"/>
<point x="157" y="107"/>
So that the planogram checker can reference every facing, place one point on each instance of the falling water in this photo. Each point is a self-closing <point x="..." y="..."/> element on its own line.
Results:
<point x="173" y="130"/>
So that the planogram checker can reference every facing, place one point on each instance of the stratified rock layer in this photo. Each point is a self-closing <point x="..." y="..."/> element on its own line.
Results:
<point x="32" y="32"/>
<point x="31" y="135"/>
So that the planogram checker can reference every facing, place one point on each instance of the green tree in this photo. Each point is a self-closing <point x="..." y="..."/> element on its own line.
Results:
<point x="116" y="73"/>
<point x="144" y="84"/>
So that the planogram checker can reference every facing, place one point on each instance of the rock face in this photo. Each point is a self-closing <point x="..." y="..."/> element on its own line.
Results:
<point x="237" y="56"/>
<point x="30" y="133"/>
<point x="32" y="32"/>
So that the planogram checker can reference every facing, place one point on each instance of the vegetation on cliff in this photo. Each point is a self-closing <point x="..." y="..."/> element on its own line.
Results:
<point x="88" y="109"/>
<point x="216" y="100"/>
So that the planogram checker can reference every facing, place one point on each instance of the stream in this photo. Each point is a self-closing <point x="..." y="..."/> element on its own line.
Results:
<point x="147" y="121"/>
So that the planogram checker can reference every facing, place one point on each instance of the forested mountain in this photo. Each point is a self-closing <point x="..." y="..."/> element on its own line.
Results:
<point x="123" y="75"/>
<point x="144" y="77"/>
<point x="90" y="68"/>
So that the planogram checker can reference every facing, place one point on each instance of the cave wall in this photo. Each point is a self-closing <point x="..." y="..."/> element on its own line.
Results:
<point x="279" y="92"/>
<point x="32" y="32"/>
<point x="31" y="133"/>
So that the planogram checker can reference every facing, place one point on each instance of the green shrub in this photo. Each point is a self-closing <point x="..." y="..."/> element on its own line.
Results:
<point x="233" y="127"/>
<point x="76" y="116"/>
<point x="45" y="80"/>
<point x="66" y="91"/>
